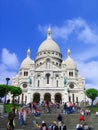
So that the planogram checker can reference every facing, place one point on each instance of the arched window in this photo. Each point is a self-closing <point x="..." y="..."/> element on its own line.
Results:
<point x="38" y="83"/>
<point x="57" y="83"/>
<point x="47" y="77"/>
<point x="48" y="63"/>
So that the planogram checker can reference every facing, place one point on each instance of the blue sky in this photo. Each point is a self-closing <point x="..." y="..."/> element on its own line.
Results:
<point x="74" y="24"/>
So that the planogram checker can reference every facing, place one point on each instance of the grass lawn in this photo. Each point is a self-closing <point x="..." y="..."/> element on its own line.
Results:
<point x="93" y="109"/>
<point x="8" y="107"/>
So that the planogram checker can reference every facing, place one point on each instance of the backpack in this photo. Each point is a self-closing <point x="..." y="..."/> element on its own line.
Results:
<point x="11" y="116"/>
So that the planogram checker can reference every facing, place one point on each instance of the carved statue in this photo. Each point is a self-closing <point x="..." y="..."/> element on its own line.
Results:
<point x="30" y="80"/>
<point x="64" y="80"/>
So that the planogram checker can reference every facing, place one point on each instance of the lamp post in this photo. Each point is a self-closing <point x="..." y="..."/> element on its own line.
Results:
<point x="69" y="95"/>
<point x="84" y="96"/>
<point x="7" y="80"/>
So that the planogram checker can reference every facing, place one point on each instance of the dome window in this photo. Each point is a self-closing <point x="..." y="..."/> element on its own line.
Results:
<point x="56" y="63"/>
<point x="71" y="74"/>
<point x="76" y="74"/>
<point x="48" y="60"/>
<point x="57" y="75"/>
<point x="38" y="75"/>
<point x="25" y="73"/>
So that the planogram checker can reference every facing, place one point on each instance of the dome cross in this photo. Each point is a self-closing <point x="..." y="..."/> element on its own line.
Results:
<point x="49" y="32"/>
<point x="28" y="53"/>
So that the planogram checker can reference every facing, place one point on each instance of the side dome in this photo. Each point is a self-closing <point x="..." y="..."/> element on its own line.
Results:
<point x="49" y="44"/>
<point x="27" y="62"/>
<point x="70" y="63"/>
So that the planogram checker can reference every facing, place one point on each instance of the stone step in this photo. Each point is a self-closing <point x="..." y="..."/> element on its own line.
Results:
<point x="70" y="120"/>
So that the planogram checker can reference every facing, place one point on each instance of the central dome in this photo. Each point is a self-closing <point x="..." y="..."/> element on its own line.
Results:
<point x="49" y="44"/>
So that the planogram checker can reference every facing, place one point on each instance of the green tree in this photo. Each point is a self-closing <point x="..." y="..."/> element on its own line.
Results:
<point x="4" y="89"/>
<point x="15" y="91"/>
<point x="92" y="93"/>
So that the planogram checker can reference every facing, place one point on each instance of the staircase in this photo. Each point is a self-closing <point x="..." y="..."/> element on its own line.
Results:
<point x="70" y="120"/>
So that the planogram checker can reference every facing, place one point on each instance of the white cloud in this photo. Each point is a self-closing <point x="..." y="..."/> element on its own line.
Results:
<point x="8" y="66"/>
<point x="78" y="27"/>
<point x="88" y="36"/>
<point x="90" y="71"/>
<point x="9" y="59"/>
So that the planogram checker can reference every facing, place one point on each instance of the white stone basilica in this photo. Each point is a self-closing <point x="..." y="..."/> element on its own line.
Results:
<point x="49" y="77"/>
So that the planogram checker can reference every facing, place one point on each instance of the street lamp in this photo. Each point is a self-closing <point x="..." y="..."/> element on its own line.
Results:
<point x="69" y="95"/>
<point x="85" y="97"/>
<point x="7" y="80"/>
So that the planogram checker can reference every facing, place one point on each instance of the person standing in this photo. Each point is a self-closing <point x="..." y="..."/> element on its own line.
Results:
<point x="21" y="116"/>
<point x="59" y="119"/>
<point x="54" y="126"/>
<point x="63" y="126"/>
<point x="79" y="126"/>
<point x="24" y="115"/>
<point x="11" y="116"/>
<point x="43" y="126"/>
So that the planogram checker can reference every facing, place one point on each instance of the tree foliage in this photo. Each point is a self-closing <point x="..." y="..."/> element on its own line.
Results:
<point x="4" y="89"/>
<point x="15" y="91"/>
<point x="92" y="93"/>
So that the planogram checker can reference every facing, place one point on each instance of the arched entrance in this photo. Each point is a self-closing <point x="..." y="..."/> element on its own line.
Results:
<point x="47" y="97"/>
<point x="58" y="98"/>
<point x="36" y="97"/>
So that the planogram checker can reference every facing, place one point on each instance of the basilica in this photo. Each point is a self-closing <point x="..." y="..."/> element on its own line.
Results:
<point x="49" y="77"/>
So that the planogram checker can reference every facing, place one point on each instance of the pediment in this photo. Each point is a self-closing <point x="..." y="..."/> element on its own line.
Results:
<point x="48" y="66"/>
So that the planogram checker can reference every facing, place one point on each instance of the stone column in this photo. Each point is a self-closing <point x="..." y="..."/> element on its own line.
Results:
<point x="52" y="98"/>
<point x="28" y="96"/>
<point x="41" y="98"/>
<point x="29" y="99"/>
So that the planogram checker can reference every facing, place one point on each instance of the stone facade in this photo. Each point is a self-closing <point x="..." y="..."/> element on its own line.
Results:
<point x="49" y="77"/>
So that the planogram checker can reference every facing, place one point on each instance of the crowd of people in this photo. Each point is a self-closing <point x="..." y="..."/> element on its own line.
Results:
<point x="58" y="124"/>
<point x="83" y="125"/>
